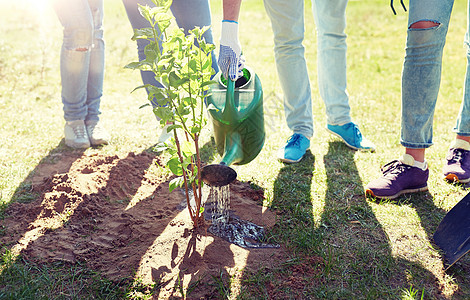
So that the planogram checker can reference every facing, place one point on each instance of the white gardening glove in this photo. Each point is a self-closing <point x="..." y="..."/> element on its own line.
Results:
<point x="231" y="61"/>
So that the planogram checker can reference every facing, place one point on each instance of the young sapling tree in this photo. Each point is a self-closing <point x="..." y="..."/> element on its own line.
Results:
<point x="182" y="64"/>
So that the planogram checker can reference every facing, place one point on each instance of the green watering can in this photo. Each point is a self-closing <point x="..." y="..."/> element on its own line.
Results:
<point x="236" y="110"/>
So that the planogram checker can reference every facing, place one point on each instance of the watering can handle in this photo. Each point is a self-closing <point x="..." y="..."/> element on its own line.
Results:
<point x="230" y="113"/>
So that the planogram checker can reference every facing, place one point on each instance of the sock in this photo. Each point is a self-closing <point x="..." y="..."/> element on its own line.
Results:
<point x="422" y="165"/>
<point x="460" y="144"/>
<point x="409" y="160"/>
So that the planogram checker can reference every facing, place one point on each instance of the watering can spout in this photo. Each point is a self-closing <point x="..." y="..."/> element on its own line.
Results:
<point x="234" y="153"/>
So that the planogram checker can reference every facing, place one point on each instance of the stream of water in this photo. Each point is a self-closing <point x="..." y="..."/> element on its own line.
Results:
<point x="226" y="225"/>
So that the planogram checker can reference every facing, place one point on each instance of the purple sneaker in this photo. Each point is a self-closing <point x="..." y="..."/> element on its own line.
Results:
<point x="457" y="168"/>
<point x="399" y="177"/>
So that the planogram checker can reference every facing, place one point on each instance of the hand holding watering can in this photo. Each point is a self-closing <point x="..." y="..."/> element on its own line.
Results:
<point x="231" y="61"/>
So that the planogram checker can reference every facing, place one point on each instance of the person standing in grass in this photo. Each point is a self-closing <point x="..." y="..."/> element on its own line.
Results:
<point x="82" y="71"/>
<point x="188" y="14"/>
<point x="287" y="20"/>
<point x="428" y="22"/>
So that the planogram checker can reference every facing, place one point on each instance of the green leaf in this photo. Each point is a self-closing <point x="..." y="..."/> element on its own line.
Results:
<point x="143" y="33"/>
<point x="193" y="65"/>
<point x="188" y="149"/>
<point x="195" y="129"/>
<point x="152" y="52"/>
<point x="145" y="12"/>
<point x="207" y="62"/>
<point x="144" y="105"/>
<point x="164" y="79"/>
<point x="183" y="111"/>
<point x="174" y="165"/>
<point x="163" y="20"/>
<point x="141" y="87"/>
<point x="164" y="4"/>
<point x="174" y="126"/>
<point x="157" y="92"/>
<point x="160" y="147"/>
<point x="140" y="65"/>
<point x="176" y="183"/>
<point x="163" y="112"/>
<point x="209" y="82"/>
<point x="133" y="65"/>
<point x="157" y="9"/>
<point x="174" y="80"/>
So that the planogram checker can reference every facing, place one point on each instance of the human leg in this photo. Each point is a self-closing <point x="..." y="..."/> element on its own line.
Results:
<point x="192" y="13"/>
<point x="287" y="20"/>
<point x="148" y="77"/>
<point x="330" y="20"/>
<point x="77" y="21"/>
<point x="97" y="61"/>
<point x="427" y="28"/>
<point x="138" y="22"/>
<point x="188" y="14"/>
<point x="457" y="165"/>
<point x="82" y="71"/>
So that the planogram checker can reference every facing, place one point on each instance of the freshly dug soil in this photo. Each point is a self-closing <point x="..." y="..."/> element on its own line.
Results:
<point x="117" y="215"/>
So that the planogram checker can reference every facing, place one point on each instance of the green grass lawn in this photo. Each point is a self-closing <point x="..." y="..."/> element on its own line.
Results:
<point x="368" y="250"/>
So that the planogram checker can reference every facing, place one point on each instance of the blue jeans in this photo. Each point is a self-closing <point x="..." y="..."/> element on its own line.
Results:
<point x="287" y="20"/>
<point x="81" y="58"/>
<point x="188" y="14"/>
<point x="422" y="74"/>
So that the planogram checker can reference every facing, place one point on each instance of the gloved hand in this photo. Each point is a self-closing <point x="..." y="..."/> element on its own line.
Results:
<point x="231" y="61"/>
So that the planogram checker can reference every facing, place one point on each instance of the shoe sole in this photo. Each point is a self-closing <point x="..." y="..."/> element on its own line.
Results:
<point x="101" y="143"/>
<point x="369" y="193"/>
<point x="77" y="146"/>
<point x="454" y="178"/>
<point x="289" y="161"/>
<point x="98" y="142"/>
<point x="349" y="145"/>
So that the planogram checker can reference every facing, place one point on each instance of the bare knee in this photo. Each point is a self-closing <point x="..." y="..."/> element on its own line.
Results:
<point x="424" y="24"/>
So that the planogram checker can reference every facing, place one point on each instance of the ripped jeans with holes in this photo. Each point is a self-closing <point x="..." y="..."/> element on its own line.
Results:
<point x="427" y="29"/>
<point x="81" y="57"/>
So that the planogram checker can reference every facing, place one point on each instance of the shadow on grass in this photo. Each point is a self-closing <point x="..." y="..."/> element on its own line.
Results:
<point x="344" y="253"/>
<point x="430" y="217"/>
<point x="295" y="229"/>
<point x="28" y="191"/>
<point x="362" y="264"/>
<point x="362" y="246"/>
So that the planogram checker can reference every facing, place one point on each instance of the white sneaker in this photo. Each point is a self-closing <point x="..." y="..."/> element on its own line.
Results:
<point x="97" y="134"/>
<point x="76" y="134"/>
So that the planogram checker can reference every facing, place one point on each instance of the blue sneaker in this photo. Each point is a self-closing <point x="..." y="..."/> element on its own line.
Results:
<point x="351" y="136"/>
<point x="294" y="149"/>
